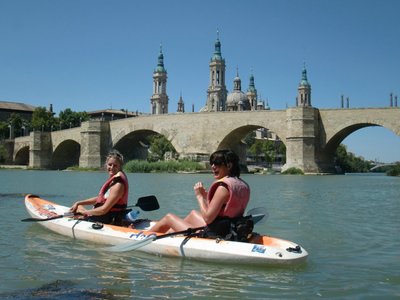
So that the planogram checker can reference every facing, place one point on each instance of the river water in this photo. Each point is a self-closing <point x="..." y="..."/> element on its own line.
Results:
<point x="349" y="224"/>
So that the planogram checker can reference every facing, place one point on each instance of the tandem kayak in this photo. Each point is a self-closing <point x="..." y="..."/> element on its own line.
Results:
<point x="260" y="250"/>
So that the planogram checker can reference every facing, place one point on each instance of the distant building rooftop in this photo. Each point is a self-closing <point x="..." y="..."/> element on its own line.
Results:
<point x="22" y="109"/>
<point x="15" y="106"/>
<point x="111" y="114"/>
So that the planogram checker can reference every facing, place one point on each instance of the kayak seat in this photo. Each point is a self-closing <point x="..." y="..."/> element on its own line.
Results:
<point x="230" y="229"/>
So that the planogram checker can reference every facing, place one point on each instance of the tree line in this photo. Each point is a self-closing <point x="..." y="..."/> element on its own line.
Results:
<point x="42" y="120"/>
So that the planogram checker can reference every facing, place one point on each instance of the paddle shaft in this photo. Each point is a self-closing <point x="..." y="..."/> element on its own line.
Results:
<point x="48" y="219"/>
<point x="188" y="231"/>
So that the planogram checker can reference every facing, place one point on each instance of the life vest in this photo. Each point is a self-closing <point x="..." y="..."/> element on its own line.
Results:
<point x="105" y="190"/>
<point x="239" y="196"/>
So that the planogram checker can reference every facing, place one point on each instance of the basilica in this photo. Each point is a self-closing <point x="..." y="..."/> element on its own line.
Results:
<point x="218" y="98"/>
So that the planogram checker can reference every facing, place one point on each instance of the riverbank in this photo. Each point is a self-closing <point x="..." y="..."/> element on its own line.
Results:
<point x="23" y="167"/>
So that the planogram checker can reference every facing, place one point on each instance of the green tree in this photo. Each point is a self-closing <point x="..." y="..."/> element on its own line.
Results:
<point x="159" y="145"/>
<point x="42" y="119"/>
<point x="281" y="152"/>
<point x="3" y="154"/>
<point x="349" y="163"/>
<point x="250" y="139"/>
<point x="4" y="130"/>
<point x="256" y="149"/>
<point x="69" y="118"/>
<point x="394" y="170"/>
<point x="16" y="121"/>
<point x="269" y="151"/>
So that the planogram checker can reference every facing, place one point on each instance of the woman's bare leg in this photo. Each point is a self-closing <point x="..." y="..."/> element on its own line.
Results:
<point x="195" y="219"/>
<point x="170" y="221"/>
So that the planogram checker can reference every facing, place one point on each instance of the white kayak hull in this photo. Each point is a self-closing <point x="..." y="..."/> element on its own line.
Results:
<point x="261" y="250"/>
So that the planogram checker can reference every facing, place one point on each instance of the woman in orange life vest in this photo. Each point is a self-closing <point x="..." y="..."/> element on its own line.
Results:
<point x="227" y="197"/>
<point x="109" y="206"/>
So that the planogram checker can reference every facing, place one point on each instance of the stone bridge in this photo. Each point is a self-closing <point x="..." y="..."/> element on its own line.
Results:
<point x="310" y="135"/>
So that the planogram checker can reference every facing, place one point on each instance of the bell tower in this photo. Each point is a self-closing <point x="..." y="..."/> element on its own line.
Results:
<point x="216" y="92"/>
<point x="304" y="91"/>
<point x="159" y="99"/>
<point x="252" y="93"/>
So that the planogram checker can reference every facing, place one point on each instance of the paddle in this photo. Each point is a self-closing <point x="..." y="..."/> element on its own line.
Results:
<point x="132" y="245"/>
<point x="67" y="214"/>
<point x="258" y="214"/>
<point x="146" y="203"/>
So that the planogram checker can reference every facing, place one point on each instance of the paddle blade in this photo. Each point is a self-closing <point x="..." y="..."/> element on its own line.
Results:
<point x="131" y="245"/>
<point x="148" y="203"/>
<point x="259" y="215"/>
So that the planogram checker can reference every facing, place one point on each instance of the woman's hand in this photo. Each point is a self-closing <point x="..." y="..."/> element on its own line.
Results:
<point x="74" y="207"/>
<point x="199" y="190"/>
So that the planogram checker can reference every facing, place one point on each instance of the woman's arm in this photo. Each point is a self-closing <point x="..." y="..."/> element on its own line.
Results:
<point x="75" y="206"/>
<point x="115" y="193"/>
<point x="210" y="211"/>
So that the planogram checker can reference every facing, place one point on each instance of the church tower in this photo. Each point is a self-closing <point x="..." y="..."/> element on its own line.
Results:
<point x="304" y="91"/>
<point x="252" y="94"/>
<point x="181" y="105"/>
<point x="159" y="100"/>
<point x="216" y="92"/>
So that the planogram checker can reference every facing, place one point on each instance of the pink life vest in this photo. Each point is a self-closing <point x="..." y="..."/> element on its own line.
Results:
<point x="239" y="196"/>
<point x="102" y="197"/>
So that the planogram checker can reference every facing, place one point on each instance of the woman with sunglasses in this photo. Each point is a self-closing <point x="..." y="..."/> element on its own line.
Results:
<point x="109" y="206"/>
<point x="227" y="197"/>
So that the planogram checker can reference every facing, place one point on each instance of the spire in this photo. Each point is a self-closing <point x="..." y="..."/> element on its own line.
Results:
<point x="237" y="82"/>
<point x="217" y="52"/>
<point x="180" y="98"/>
<point x="252" y="87"/>
<point x="181" y="104"/>
<point x="304" y="81"/>
<point x="160" y="65"/>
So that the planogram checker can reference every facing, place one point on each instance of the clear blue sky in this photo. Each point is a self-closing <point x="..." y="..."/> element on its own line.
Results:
<point x="96" y="54"/>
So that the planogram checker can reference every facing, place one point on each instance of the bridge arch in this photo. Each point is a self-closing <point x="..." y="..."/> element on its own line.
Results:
<point x="234" y="140"/>
<point x="66" y="155"/>
<point x="61" y="136"/>
<point x="337" y="124"/>
<point x="135" y="144"/>
<point x="335" y="141"/>
<point x="21" y="151"/>
<point x="22" y="156"/>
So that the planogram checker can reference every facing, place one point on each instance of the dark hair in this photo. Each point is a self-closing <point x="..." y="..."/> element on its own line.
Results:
<point x="225" y="157"/>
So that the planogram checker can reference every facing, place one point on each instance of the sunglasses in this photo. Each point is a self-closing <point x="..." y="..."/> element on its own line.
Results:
<point x="218" y="162"/>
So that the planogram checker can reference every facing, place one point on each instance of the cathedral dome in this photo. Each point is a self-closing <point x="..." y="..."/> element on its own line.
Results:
<point x="237" y="100"/>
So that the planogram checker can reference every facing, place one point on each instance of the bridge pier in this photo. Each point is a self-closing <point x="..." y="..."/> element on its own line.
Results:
<point x="302" y="142"/>
<point x="7" y="157"/>
<point x="95" y="143"/>
<point x="40" y="150"/>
